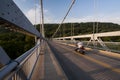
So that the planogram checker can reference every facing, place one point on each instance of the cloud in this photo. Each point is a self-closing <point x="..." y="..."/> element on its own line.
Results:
<point x="20" y="0"/>
<point x="33" y="15"/>
<point x="48" y="17"/>
<point x="114" y="18"/>
<point x="24" y="0"/>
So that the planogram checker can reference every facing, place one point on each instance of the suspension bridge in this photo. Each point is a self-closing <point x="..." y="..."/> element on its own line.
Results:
<point x="56" y="59"/>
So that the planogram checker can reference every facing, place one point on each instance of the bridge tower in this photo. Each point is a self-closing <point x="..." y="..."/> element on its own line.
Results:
<point x="42" y="19"/>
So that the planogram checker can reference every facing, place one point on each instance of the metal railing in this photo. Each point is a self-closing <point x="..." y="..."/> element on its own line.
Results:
<point x="22" y="67"/>
<point x="113" y="46"/>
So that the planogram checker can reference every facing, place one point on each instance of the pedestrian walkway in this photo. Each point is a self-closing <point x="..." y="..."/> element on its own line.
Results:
<point x="48" y="67"/>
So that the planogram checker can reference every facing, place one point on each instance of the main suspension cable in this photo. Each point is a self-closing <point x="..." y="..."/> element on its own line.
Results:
<point x="73" y="1"/>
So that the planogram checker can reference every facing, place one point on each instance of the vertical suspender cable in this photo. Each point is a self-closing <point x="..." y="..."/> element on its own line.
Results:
<point x="97" y="24"/>
<point x="35" y="14"/>
<point x="60" y="32"/>
<point x="42" y="18"/>
<point x="94" y="23"/>
<point x="64" y="30"/>
<point x="71" y="29"/>
<point x="35" y="22"/>
<point x="73" y="1"/>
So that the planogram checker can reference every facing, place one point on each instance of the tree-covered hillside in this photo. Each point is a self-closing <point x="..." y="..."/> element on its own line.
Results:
<point x="16" y="44"/>
<point x="79" y="28"/>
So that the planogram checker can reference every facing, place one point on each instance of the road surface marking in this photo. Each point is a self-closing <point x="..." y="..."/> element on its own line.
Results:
<point x="96" y="61"/>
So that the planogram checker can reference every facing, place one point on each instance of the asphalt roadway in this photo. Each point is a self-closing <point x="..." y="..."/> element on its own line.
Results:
<point x="91" y="66"/>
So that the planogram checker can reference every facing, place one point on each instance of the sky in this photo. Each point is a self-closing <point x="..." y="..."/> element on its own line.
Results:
<point x="82" y="10"/>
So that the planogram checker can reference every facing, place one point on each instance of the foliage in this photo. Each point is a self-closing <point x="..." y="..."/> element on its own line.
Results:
<point x="15" y="44"/>
<point x="81" y="28"/>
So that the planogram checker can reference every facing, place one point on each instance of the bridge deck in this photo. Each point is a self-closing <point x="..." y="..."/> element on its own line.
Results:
<point x="92" y="66"/>
<point x="61" y="62"/>
<point x="47" y="67"/>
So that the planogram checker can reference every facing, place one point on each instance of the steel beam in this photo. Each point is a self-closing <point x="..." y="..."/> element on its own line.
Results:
<point x="12" y="15"/>
<point x="105" y="34"/>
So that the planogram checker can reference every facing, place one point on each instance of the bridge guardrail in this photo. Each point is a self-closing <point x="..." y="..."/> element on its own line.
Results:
<point x="22" y="67"/>
<point x="113" y="46"/>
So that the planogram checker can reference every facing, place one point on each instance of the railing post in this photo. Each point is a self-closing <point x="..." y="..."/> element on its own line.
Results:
<point x="38" y="48"/>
